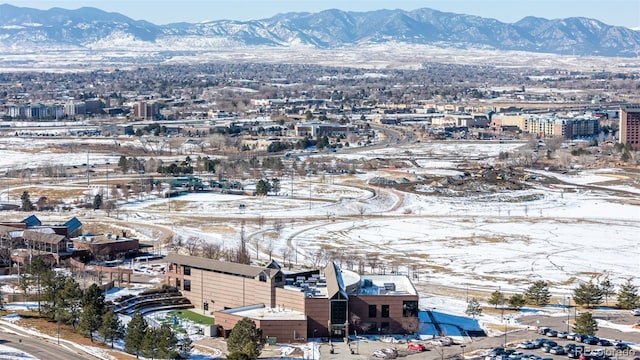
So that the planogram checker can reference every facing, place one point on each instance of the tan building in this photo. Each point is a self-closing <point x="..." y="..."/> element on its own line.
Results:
<point x="332" y="303"/>
<point x="630" y="125"/>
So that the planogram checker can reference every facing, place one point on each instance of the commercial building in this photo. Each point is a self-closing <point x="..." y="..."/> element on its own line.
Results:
<point x="630" y="125"/>
<point x="328" y="303"/>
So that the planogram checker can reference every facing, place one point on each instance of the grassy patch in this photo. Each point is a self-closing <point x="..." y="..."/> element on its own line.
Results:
<point x="195" y="317"/>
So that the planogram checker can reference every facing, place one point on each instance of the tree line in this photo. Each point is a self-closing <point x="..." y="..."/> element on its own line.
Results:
<point x="61" y="299"/>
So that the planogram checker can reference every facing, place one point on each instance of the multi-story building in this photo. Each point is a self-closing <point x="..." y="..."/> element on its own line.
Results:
<point x="73" y="108"/>
<point x="630" y="125"/>
<point x="331" y="303"/>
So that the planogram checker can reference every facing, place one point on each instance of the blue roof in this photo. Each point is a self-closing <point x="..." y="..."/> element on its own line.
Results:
<point x="73" y="224"/>
<point x="32" y="221"/>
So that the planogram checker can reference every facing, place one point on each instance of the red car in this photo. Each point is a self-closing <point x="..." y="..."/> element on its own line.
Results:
<point x="417" y="347"/>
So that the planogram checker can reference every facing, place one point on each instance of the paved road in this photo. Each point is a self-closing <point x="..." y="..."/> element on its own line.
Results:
<point x="39" y="347"/>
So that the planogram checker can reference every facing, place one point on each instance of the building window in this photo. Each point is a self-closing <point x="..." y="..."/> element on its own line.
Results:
<point x="409" y="309"/>
<point x="186" y="270"/>
<point x="385" y="311"/>
<point x="373" y="311"/>
<point x="178" y="284"/>
<point x="187" y="285"/>
<point x="262" y="277"/>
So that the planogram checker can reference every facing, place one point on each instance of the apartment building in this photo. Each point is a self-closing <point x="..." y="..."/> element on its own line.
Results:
<point x="630" y="125"/>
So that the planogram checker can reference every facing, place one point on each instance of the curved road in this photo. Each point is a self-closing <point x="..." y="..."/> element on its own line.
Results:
<point x="38" y="347"/>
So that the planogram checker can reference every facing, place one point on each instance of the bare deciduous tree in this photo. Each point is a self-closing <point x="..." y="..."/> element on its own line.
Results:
<point x="193" y="245"/>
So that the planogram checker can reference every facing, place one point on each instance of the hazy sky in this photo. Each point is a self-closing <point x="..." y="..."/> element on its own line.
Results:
<point x="613" y="12"/>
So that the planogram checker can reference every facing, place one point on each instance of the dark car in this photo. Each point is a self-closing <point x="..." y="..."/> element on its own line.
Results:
<point x="622" y="346"/>
<point x="551" y="333"/>
<point x="579" y="337"/>
<point x="604" y="342"/>
<point x="591" y="340"/>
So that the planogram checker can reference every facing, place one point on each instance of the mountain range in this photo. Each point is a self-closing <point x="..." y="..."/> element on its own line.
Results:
<point x="27" y="29"/>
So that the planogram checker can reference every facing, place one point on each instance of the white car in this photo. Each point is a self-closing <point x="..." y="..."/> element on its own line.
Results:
<point x="636" y="312"/>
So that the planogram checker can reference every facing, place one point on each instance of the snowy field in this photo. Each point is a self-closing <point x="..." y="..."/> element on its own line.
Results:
<point x="484" y="240"/>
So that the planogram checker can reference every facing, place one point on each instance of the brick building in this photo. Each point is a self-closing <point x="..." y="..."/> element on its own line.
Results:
<point x="630" y="126"/>
<point x="333" y="302"/>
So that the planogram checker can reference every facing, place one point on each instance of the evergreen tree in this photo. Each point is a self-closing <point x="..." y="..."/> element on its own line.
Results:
<point x="275" y="185"/>
<point x="473" y="308"/>
<point x="36" y="274"/>
<point x="136" y="330"/>
<point x="263" y="187"/>
<point x="92" y="310"/>
<point x="150" y="343"/>
<point x="245" y="338"/>
<point x="185" y="345"/>
<point x="588" y="295"/>
<point x="628" y="296"/>
<point x="237" y="355"/>
<point x="97" y="202"/>
<point x="607" y="288"/>
<point x="497" y="298"/>
<point x="70" y="301"/>
<point x="167" y="343"/>
<point x="27" y="205"/>
<point x="538" y="293"/>
<point x="585" y="324"/>
<point x="111" y="328"/>
<point x="52" y="286"/>
<point x="123" y="164"/>
<point x="516" y="301"/>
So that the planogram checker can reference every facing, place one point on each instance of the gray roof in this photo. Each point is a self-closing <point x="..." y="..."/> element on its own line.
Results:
<point x="220" y="266"/>
<point x="42" y="237"/>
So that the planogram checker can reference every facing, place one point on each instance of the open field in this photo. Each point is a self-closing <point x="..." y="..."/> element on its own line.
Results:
<point x="551" y="229"/>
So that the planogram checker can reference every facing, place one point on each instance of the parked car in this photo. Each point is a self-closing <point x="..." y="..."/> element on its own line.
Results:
<point x="551" y="333"/>
<point x="558" y="350"/>
<point x="622" y="346"/>
<point x="604" y="342"/>
<point x="563" y="334"/>
<point x="571" y="336"/>
<point x="417" y="347"/>
<point x="526" y="345"/>
<point x="550" y="343"/>
<point x="543" y="330"/>
<point x="590" y="340"/>
<point x="386" y="353"/>
<point x="579" y="337"/>
<point x="636" y="312"/>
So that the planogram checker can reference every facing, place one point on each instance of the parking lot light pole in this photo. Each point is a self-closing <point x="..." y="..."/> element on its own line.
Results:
<point x="462" y="347"/>
<point x="568" y="312"/>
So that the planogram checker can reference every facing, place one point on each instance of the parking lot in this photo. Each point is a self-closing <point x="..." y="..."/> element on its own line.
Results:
<point x="479" y="347"/>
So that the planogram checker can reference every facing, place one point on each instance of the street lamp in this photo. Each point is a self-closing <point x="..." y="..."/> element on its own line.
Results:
<point x="568" y="312"/>
<point x="462" y="347"/>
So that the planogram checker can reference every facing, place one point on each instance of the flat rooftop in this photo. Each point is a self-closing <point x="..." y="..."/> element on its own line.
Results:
<point x="261" y="312"/>
<point x="386" y="285"/>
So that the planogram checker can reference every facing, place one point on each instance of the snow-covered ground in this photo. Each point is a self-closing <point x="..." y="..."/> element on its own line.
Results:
<point x="579" y="230"/>
<point x="9" y="353"/>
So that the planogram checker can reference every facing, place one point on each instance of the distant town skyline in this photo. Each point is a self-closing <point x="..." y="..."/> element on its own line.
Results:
<point x="613" y="12"/>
